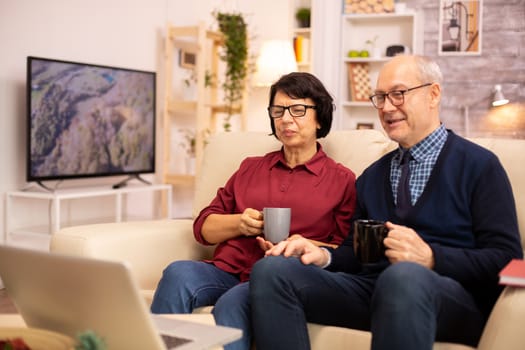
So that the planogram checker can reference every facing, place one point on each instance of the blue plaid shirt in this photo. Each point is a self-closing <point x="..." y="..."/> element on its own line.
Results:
<point x="424" y="156"/>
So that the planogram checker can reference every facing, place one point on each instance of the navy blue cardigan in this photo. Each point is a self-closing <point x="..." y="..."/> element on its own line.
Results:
<point x="466" y="214"/>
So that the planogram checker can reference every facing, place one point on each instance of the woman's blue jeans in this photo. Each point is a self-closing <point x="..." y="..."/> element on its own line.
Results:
<point x="406" y="307"/>
<point x="186" y="285"/>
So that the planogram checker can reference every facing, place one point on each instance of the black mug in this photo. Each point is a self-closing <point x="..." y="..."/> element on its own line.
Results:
<point x="368" y="240"/>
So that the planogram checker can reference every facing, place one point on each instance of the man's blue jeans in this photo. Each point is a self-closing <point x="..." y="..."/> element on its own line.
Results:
<point x="406" y="307"/>
<point x="186" y="285"/>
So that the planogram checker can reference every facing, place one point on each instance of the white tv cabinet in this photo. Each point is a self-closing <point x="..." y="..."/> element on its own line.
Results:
<point x="14" y="206"/>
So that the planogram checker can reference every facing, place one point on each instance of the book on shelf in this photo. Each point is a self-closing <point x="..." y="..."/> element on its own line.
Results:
<point x="301" y="48"/>
<point x="513" y="274"/>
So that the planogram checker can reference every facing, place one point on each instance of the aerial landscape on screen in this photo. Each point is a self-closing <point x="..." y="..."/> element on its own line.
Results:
<point x="90" y="120"/>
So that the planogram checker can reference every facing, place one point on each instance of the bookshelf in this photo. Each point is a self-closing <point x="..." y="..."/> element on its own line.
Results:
<point x="302" y="37"/>
<point x="383" y="29"/>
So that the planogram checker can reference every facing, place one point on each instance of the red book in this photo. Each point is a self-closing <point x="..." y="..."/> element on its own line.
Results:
<point x="513" y="274"/>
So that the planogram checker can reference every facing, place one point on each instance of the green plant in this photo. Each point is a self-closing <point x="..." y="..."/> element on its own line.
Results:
<point x="235" y="55"/>
<point x="189" y="142"/>
<point x="192" y="78"/>
<point x="303" y="16"/>
<point x="89" y="340"/>
<point x="372" y="42"/>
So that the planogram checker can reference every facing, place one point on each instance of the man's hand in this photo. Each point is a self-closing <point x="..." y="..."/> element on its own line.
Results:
<point x="251" y="222"/>
<point x="404" y="244"/>
<point x="300" y="247"/>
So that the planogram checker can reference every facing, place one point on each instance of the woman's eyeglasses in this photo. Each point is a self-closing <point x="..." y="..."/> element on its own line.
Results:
<point x="296" y="111"/>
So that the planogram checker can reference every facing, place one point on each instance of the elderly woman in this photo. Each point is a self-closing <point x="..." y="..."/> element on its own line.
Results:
<point x="300" y="176"/>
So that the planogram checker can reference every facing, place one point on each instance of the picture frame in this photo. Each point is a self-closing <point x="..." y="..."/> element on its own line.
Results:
<point x="460" y="27"/>
<point x="187" y="59"/>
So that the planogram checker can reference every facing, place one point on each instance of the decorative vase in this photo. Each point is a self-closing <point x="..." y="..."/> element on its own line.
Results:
<point x="376" y="52"/>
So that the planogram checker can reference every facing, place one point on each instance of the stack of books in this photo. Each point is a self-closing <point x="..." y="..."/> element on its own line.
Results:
<point x="368" y="6"/>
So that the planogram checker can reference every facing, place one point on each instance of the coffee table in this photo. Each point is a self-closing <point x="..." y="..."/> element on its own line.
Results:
<point x="15" y="320"/>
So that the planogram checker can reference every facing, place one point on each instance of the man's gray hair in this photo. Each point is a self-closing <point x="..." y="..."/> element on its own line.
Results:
<point x="429" y="70"/>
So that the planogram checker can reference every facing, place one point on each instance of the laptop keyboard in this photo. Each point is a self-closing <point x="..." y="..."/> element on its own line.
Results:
<point x="172" y="342"/>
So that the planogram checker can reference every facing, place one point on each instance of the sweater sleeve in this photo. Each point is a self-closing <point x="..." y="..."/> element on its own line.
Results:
<point x="495" y="229"/>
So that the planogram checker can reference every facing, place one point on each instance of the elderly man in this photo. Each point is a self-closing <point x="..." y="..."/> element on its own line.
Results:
<point x="449" y="236"/>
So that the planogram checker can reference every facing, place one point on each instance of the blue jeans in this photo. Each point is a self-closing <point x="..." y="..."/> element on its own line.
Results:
<point x="186" y="285"/>
<point x="406" y="306"/>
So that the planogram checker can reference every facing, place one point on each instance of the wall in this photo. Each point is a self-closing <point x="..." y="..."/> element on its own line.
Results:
<point x="128" y="33"/>
<point x="469" y="80"/>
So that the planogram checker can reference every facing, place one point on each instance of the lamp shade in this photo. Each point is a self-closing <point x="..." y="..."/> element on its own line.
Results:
<point x="276" y="58"/>
<point x="499" y="99"/>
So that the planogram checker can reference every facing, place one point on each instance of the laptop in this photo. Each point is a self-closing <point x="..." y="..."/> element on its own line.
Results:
<point x="70" y="295"/>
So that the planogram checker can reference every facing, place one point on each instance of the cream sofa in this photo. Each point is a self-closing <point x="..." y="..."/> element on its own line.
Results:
<point x="150" y="245"/>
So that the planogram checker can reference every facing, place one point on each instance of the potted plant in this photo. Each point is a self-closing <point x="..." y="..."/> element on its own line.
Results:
<point x="235" y="55"/>
<point x="190" y="83"/>
<point x="188" y="144"/>
<point x="303" y="17"/>
<point x="375" y="51"/>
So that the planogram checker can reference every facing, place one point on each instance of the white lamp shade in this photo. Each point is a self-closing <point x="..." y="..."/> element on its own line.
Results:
<point x="499" y="99"/>
<point x="276" y="58"/>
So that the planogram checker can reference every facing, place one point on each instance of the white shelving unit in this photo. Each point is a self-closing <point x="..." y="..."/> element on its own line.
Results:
<point x="202" y="110"/>
<point x="305" y="64"/>
<point x="356" y="29"/>
<point x="15" y="205"/>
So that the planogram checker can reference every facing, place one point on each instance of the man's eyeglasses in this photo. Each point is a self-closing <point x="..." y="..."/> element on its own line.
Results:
<point x="295" y="111"/>
<point x="396" y="97"/>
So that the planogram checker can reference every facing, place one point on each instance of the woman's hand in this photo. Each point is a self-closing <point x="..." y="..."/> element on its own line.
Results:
<point x="219" y="228"/>
<point x="251" y="222"/>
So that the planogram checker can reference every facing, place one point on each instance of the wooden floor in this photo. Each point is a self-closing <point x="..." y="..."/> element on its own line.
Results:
<point x="6" y="306"/>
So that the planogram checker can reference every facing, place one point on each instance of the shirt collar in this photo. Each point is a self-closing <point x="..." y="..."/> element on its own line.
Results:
<point x="314" y="165"/>
<point x="430" y="144"/>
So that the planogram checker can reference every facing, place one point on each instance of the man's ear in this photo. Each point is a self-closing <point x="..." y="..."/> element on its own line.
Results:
<point x="435" y="95"/>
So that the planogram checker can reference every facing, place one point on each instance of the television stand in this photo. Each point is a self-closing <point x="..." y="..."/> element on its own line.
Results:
<point x="19" y="203"/>
<point x="129" y="178"/>
<point x="39" y="183"/>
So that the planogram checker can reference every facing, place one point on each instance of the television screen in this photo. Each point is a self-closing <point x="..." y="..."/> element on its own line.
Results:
<point x="87" y="120"/>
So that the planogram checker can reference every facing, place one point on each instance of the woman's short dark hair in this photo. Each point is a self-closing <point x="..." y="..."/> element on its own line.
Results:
<point x="305" y="85"/>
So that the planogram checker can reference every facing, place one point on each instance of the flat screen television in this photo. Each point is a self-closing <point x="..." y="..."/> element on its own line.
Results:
<point x="87" y="120"/>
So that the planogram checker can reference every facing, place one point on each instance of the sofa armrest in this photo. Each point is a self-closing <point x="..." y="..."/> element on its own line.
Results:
<point x="504" y="328"/>
<point x="149" y="246"/>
